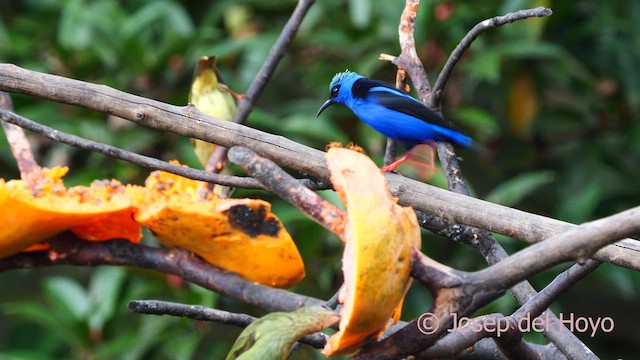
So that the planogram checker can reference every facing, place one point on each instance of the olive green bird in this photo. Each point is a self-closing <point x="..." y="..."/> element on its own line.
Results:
<point x="272" y="336"/>
<point x="211" y="95"/>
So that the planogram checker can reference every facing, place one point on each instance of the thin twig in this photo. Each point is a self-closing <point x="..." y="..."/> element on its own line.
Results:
<point x="390" y="151"/>
<point x="408" y="59"/>
<point x="203" y="313"/>
<point x="560" y="284"/>
<point x="334" y="301"/>
<point x="538" y="302"/>
<point x="145" y="161"/>
<point x="456" y="55"/>
<point x="195" y="312"/>
<point x="271" y="62"/>
<point x="495" y="326"/>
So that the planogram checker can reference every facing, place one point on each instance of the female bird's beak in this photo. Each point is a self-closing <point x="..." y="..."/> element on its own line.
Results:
<point x="325" y="105"/>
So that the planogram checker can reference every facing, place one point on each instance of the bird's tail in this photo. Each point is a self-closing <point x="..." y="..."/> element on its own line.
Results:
<point x="458" y="138"/>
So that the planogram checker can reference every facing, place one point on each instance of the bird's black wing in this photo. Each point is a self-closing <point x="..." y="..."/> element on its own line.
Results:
<point x="398" y="100"/>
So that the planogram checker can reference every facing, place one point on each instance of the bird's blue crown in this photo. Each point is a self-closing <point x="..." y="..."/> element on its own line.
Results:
<point x="341" y="76"/>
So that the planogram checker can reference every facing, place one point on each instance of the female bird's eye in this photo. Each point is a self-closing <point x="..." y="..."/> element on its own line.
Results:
<point x="334" y="91"/>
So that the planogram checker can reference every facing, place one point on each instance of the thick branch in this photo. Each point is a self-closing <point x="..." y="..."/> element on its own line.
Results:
<point x="576" y="244"/>
<point x="408" y="59"/>
<point x="68" y="249"/>
<point x="187" y="121"/>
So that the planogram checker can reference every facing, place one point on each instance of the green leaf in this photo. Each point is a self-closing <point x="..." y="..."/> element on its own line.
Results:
<point x="184" y="347"/>
<point x="485" y="65"/>
<point x="360" y="11"/>
<point x="171" y="15"/>
<point x="104" y="289"/>
<point x="517" y="188"/>
<point x="48" y="319"/>
<point x="74" y="30"/>
<point x="319" y="129"/>
<point x="68" y="296"/>
<point x="481" y="121"/>
<point x="580" y="205"/>
<point x="533" y="49"/>
<point x="622" y="280"/>
<point x="149" y="335"/>
<point x="32" y="312"/>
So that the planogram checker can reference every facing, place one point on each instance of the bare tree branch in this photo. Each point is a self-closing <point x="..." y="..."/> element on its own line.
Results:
<point x="484" y="349"/>
<point x="203" y="313"/>
<point x="408" y="59"/>
<point x="195" y="312"/>
<point x="390" y="151"/>
<point x="563" y="282"/>
<point x="487" y="350"/>
<point x="576" y="244"/>
<point x="495" y="326"/>
<point x="456" y="55"/>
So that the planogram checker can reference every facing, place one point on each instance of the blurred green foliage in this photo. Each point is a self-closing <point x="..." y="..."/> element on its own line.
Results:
<point x="554" y="101"/>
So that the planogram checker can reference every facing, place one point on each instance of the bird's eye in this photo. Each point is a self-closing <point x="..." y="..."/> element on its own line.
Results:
<point x="334" y="91"/>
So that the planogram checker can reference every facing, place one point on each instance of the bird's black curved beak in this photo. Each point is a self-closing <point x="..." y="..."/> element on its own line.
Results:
<point x="325" y="105"/>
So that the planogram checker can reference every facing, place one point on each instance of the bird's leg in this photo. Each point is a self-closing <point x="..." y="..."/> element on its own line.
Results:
<point x="394" y="165"/>
<point x="233" y="93"/>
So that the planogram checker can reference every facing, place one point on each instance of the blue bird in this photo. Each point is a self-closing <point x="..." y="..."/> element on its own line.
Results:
<point x="392" y="112"/>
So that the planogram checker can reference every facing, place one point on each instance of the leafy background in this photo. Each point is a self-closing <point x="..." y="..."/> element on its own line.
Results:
<point x="554" y="101"/>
